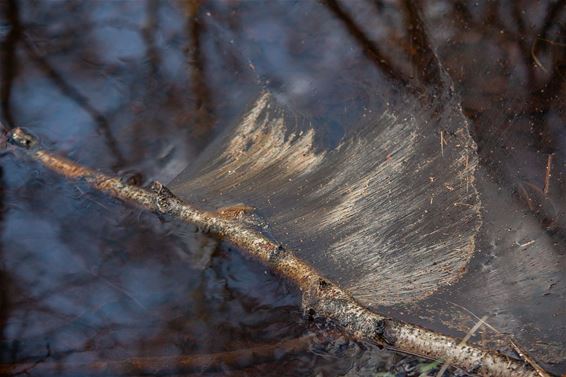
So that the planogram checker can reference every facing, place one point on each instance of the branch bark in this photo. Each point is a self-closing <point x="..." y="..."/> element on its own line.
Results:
<point x="321" y="297"/>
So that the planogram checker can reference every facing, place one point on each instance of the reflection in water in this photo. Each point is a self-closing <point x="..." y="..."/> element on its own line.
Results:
<point x="370" y="49"/>
<point x="74" y="95"/>
<point x="140" y="88"/>
<point x="9" y="65"/>
<point x="204" y="118"/>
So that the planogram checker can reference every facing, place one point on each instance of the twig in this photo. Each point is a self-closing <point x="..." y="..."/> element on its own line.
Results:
<point x="541" y="372"/>
<point x="534" y="56"/>
<point x="320" y="296"/>
<point x="463" y="341"/>
<point x="526" y="243"/>
<point x="547" y="175"/>
<point x="467" y="175"/>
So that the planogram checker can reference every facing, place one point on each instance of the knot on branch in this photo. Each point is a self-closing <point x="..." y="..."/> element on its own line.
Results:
<point x="476" y="368"/>
<point x="164" y="198"/>
<point x="22" y="138"/>
<point x="323" y="284"/>
<point x="276" y="254"/>
<point x="381" y="332"/>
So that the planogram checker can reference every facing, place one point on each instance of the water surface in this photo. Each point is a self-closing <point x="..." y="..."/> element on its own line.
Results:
<point x="140" y="89"/>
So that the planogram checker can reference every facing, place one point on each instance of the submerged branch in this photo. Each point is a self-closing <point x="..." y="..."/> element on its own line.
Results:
<point x="320" y="296"/>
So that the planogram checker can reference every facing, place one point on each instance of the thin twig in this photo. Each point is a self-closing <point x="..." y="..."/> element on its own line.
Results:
<point x="547" y="175"/>
<point x="534" y="56"/>
<point x="525" y="356"/>
<point x="467" y="175"/>
<point x="321" y="297"/>
<point x="463" y="341"/>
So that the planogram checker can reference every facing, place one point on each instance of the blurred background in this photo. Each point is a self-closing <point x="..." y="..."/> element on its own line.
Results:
<point x="139" y="88"/>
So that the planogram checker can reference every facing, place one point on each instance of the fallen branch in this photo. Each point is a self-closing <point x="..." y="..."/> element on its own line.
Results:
<point x="320" y="296"/>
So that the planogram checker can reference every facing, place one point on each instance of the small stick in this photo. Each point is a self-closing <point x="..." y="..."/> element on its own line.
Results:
<point x="541" y="372"/>
<point x="467" y="175"/>
<point x="463" y="341"/>
<point x="534" y="55"/>
<point x="548" y="175"/>
<point x="321" y="297"/>
<point x="526" y="243"/>
<point x="442" y="143"/>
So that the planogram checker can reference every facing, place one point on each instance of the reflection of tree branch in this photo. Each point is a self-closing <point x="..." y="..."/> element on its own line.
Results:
<point x="522" y="42"/>
<point x="555" y="81"/>
<point x="148" y="35"/>
<point x="422" y="56"/>
<point x="542" y="100"/>
<point x="9" y="65"/>
<point x="378" y="5"/>
<point x="204" y="114"/>
<point x="173" y="364"/>
<point x="553" y="13"/>
<point x="73" y="94"/>
<point x="8" y="74"/>
<point x="369" y="48"/>
<point x="465" y="15"/>
<point x="32" y="366"/>
<point x="4" y="277"/>
<point x="536" y="103"/>
<point x="462" y="10"/>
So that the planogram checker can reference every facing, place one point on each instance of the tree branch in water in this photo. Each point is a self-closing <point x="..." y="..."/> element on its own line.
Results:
<point x="321" y="297"/>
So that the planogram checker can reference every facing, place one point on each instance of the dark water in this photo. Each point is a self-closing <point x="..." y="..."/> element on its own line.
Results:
<point x="140" y="88"/>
